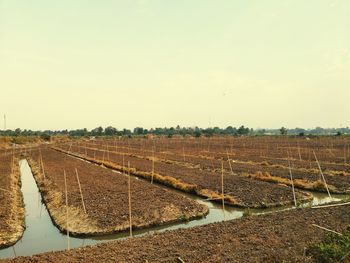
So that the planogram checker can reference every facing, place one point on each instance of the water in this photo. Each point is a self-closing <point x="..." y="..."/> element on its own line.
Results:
<point x="41" y="235"/>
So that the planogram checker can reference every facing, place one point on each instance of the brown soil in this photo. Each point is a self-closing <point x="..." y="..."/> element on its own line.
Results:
<point x="11" y="202"/>
<point x="239" y="191"/>
<point x="278" y="237"/>
<point x="249" y="162"/>
<point x="105" y="195"/>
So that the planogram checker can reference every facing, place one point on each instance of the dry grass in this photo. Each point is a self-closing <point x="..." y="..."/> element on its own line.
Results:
<point x="15" y="221"/>
<point x="298" y="183"/>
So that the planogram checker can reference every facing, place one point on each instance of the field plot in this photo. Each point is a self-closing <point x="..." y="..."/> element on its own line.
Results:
<point x="105" y="197"/>
<point x="11" y="203"/>
<point x="263" y="158"/>
<point x="239" y="191"/>
<point x="279" y="237"/>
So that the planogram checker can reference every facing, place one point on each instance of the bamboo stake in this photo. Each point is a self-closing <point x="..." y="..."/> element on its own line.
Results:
<point x="183" y="152"/>
<point x="81" y="193"/>
<point x="291" y="179"/>
<point x="13" y="163"/>
<point x="42" y="166"/>
<point x="65" y="186"/>
<point x="324" y="180"/>
<point x="229" y="161"/>
<point x="329" y="230"/>
<point x="152" y="168"/>
<point x="70" y="146"/>
<point x="123" y="170"/>
<point x="129" y="193"/>
<point x="324" y="206"/>
<point x="222" y="187"/>
<point x="108" y="152"/>
<point x="14" y="251"/>
<point x="344" y="154"/>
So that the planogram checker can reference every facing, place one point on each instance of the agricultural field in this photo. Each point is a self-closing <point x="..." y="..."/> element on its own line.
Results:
<point x="238" y="191"/>
<point x="98" y="199"/>
<point x="11" y="204"/>
<point x="101" y="187"/>
<point x="271" y="159"/>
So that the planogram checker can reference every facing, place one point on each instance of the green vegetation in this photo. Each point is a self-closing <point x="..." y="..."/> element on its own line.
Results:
<point x="334" y="248"/>
<point x="247" y="212"/>
<point x="178" y="131"/>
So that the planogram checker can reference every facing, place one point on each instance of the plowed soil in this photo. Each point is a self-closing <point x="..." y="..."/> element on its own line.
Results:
<point x="105" y="195"/>
<point x="239" y="191"/>
<point x="279" y="237"/>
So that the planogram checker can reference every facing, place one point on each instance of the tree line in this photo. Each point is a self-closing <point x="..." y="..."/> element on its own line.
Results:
<point x="182" y="131"/>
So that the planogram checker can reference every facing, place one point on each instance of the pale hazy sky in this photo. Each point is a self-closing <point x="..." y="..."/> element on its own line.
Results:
<point x="75" y="64"/>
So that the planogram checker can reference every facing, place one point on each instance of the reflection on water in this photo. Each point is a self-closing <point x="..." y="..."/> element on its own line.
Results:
<point x="42" y="236"/>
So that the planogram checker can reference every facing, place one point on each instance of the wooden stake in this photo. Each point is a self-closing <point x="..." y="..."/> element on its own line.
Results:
<point x="324" y="180"/>
<point x="129" y="192"/>
<point x="65" y="186"/>
<point x="222" y="187"/>
<point x="108" y="153"/>
<point x="299" y="152"/>
<point x="183" y="152"/>
<point x="42" y="166"/>
<point x="329" y="230"/>
<point x="13" y="163"/>
<point x="324" y="206"/>
<point x="152" y="168"/>
<point x="229" y="162"/>
<point x="81" y="193"/>
<point x="291" y="179"/>
<point x="70" y="146"/>
<point x="123" y="170"/>
<point x="344" y="154"/>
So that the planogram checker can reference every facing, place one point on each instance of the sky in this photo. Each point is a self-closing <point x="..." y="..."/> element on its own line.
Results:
<point x="159" y="63"/>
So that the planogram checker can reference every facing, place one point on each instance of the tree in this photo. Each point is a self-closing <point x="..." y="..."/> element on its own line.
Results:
<point x="197" y="133"/>
<point x="230" y="130"/>
<point x="109" y="131"/>
<point x="283" y="131"/>
<point x="138" y="130"/>
<point x="18" y="132"/>
<point x="97" y="131"/>
<point x="242" y="130"/>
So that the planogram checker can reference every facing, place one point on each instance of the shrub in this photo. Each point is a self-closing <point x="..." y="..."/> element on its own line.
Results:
<point x="334" y="248"/>
<point x="247" y="212"/>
